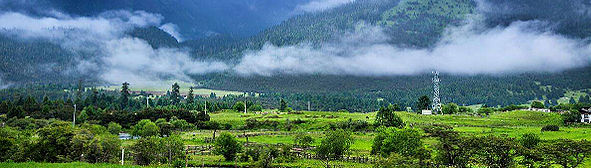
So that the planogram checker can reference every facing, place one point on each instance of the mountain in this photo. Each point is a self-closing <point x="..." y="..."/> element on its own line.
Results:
<point x="415" y="23"/>
<point x="228" y="29"/>
<point x="195" y="18"/>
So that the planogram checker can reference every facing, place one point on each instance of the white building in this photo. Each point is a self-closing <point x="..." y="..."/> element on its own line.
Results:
<point x="586" y="115"/>
<point x="540" y="110"/>
<point x="426" y="112"/>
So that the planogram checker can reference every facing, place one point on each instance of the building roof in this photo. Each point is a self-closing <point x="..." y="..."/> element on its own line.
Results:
<point x="588" y="111"/>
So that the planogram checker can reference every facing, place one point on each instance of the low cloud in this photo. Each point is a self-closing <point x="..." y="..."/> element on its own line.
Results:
<point x="172" y="29"/>
<point x="107" y="51"/>
<point x="4" y="85"/>
<point x="134" y="60"/>
<point x="466" y="50"/>
<point x="321" y="5"/>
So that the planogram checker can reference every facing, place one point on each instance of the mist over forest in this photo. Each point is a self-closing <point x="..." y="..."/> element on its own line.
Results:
<point x="230" y="44"/>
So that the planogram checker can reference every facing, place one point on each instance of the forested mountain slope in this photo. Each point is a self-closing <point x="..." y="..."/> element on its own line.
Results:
<point x="195" y="18"/>
<point x="407" y="23"/>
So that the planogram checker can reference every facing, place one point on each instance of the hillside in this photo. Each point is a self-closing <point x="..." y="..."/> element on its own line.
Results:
<point x="408" y="23"/>
<point x="356" y="93"/>
<point x="421" y="22"/>
<point x="195" y="19"/>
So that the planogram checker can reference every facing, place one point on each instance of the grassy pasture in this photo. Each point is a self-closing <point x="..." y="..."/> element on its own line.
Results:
<point x="64" y="165"/>
<point x="162" y="87"/>
<point x="513" y="124"/>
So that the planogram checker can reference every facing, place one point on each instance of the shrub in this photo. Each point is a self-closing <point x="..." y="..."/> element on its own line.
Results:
<point x="243" y="157"/>
<point x="485" y="111"/>
<point x="551" y="128"/>
<point x="227" y="145"/>
<point x="529" y="140"/>
<point x="571" y="116"/>
<point x="303" y="140"/>
<point x="179" y="163"/>
<point x="387" y="117"/>
<point x="405" y="142"/>
<point x="450" y="108"/>
<point x="463" y="109"/>
<point x="114" y="128"/>
<point x="252" y="123"/>
<point x="255" y="107"/>
<point x="335" y="144"/>
<point x="254" y="153"/>
<point x="146" y="150"/>
<point x="357" y="125"/>
<point x="295" y="112"/>
<point x="145" y="128"/>
<point x="155" y="149"/>
<point x="537" y="104"/>
<point x="239" y="106"/>
<point x="438" y="130"/>
<point x="298" y="121"/>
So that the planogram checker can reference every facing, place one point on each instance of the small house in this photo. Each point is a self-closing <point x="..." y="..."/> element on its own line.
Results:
<point x="540" y="110"/>
<point x="426" y="112"/>
<point x="586" y="115"/>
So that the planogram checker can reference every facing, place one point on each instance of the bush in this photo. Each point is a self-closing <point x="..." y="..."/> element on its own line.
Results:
<point x="529" y="140"/>
<point x="387" y="117"/>
<point x="405" y="142"/>
<point x="227" y="145"/>
<point x="335" y="144"/>
<point x="239" y="106"/>
<point x="463" y="109"/>
<point x="255" y="107"/>
<point x="252" y="123"/>
<point x="551" y="128"/>
<point x="179" y="163"/>
<point x="155" y="149"/>
<point x="450" y="108"/>
<point x="254" y="153"/>
<point x="572" y="116"/>
<point x="438" y="130"/>
<point x="145" y="128"/>
<point x="537" y="104"/>
<point x="146" y="150"/>
<point x="243" y="157"/>
<point x="357" y="125"/>
<point x="114" y="128"/>
<point x="303" y="140"/>
<point x="103" y="148"/>
<point x="485" y="111"/>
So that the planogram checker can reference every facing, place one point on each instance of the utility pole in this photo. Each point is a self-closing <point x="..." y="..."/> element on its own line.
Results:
<point x="205" y="107"/>
<point x="122" y="156"/>
<point x="74" y="116"/>
<point x="245" y="107"/>
<point x="308" y="105"/>
<point x="147" y="102"/>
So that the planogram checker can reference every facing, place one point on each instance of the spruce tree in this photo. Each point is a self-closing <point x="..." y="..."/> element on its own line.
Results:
<point x="190" y="96"/>
<point x="124" y="98"/>
<point x="175" y="94"/>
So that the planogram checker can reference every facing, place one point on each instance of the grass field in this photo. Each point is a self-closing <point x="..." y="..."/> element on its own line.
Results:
<point x="162" y="87"/>
<point x="320" y="120"/>
<point x="63" y="165"/>
<point x="512" y="124"/>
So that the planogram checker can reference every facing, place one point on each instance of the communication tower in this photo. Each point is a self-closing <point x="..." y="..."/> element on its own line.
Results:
<point x="436" y="100"/>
